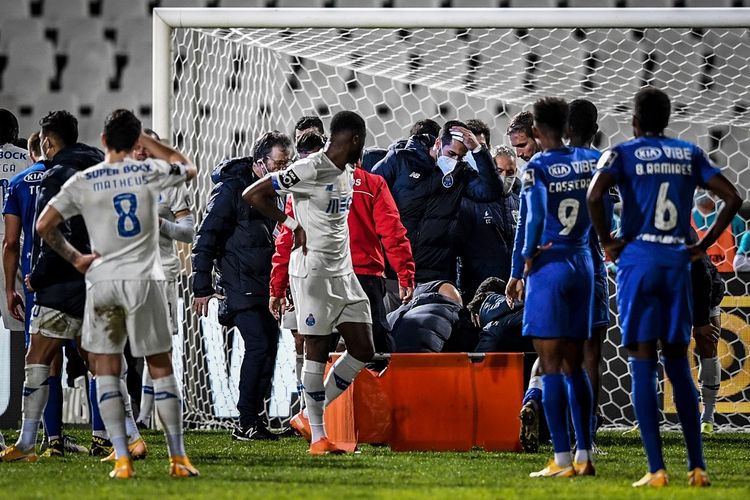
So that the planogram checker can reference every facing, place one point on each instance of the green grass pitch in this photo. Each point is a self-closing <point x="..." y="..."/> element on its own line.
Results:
<point x="283" y="470"/>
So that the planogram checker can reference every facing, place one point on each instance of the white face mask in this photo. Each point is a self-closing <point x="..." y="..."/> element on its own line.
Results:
<point x="508" y="181"/>
<point x="446" y="164"/>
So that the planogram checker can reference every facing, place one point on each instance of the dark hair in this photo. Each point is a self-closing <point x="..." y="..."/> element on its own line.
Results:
<point x="310" y="142"/>
<point x="8" y="126"/>
<point x="426" y="127"/>
<point x="445" y="133"/>
<point x="582" y="117"/>
<point x="487" y="287"/>
<point x="266" y="142"/>
<point x="479" y="127"/>
<point x="307" y="122"/>
<point x="151" y="133"/>
<point x="522" y="122"/>
<point x="35" y="144"/>
<point x="348" y="121"/>
<point x="121" y="130"/>
<point x="652" y="108"/>
<point x="61" y="124"/>
<point x="551" y="114"/>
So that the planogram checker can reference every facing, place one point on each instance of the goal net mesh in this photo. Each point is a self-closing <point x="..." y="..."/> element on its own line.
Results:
<point x="231" y="85"/>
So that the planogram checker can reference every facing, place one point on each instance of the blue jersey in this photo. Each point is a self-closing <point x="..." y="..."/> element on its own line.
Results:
<point x="657" y="177"/>
<point x="21" y="202"/>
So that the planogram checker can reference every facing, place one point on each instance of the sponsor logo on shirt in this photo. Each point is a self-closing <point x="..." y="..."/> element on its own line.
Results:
<point x="607" y="159"/>
<point x="415" y="175"/>
<point x="648" y="153"/>
<point x="33" y="177"/>
<point x="559" y="170"/>
<point x="12" y="155"/>
<point x="288" y="179"/>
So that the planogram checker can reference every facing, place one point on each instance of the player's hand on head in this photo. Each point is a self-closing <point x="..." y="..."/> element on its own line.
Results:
<point x="469" y="139"/>
<point x="300" y="239"/>
<point x="15" y="305"/>
<point x="405" y="293"/>
<point x="84" y="261"/>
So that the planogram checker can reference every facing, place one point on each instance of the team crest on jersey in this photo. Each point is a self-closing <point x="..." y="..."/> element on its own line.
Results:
<point x="648" y="153"/>
<point x="288" y="179"/>
<point x="607" y="160"/>
<point x="310" y="321"/>
<point x="448" y="181"/>
<point x="528" y="178"/>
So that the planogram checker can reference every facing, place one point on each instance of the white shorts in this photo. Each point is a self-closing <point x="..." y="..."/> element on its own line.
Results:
<point x="119" y="310"/>
<point x="9" y="321"/>
<point x="172" y="305"/>
<point x="289" y="320"/>
<point x="323" y="303"/>
<point x="54" y="324"/>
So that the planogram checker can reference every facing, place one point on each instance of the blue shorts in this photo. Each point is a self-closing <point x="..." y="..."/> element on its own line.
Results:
<point x="559" y="296"/>
<point x="600" y="311"/>
<point x="654" y="296"/>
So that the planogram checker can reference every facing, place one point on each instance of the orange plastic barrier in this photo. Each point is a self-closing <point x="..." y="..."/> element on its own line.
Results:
<point x="433" y="402"/>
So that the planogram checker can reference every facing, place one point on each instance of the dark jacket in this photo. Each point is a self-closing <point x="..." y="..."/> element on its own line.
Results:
<point x="236" y="240"/>
<point x="429" y="209"/>
<point x="57" y="284"/>
<point x="485" y="241"/>
<point x="708" y="289"/>
<point x="429" y="323"/>
<point x="501" y="326"/>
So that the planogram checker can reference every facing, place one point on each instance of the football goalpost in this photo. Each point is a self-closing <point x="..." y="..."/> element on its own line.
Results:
<point x="221" y="77"/>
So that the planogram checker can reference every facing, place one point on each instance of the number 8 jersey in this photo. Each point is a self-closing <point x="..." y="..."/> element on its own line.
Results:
<point x="657" y="177"/>
<point x="119" y="204"/>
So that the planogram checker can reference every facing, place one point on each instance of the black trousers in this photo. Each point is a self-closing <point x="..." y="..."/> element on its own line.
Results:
<point x="260" y="332"/>
<point x="374" y="287"/>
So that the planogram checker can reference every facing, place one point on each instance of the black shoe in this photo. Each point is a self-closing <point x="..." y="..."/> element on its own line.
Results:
<point x="530" y="427"/>
<point x="100" y="447"/>
<point x="143" y="426"/>
<point x="253" y="433"/>
<point x="55" y="448"/>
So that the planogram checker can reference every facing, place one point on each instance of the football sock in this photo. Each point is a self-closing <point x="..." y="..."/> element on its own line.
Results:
<point x="554" y="401"/>
<point x="341" y="376"/>
<point x="169" y="409"/>
<point x="315" y="394"/>
<point x="52" y="416"/>
<point x="112" y="411"/>
<point x="97" y="424"/>
<point x="35" y="392"/>
<point x="130" y="428"/>
<point x="581" y="402"/>
<point x="646" y="404"/>
<point x="686" y="401"/>
<point x="532" y="394"/>
<point x="147" y="397"/>
<point x="709" y="375"/>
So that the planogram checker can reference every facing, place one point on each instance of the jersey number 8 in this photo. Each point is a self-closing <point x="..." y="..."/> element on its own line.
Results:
<point x="128" y="224"/>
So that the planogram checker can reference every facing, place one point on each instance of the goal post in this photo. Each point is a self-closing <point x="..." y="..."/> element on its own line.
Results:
<point x="223" y="76"/>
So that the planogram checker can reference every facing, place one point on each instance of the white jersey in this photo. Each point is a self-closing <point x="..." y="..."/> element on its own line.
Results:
<point x="119" y="203"/>
<point x="321" y="196"/>
<point x="12" y="161"/>
<point x="171" y="201"/>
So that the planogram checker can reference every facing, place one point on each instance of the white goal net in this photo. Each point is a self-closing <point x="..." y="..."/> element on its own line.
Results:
<point x="232" y="84"/>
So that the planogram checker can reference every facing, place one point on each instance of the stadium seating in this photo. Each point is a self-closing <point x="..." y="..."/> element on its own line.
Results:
<point x="592" y="3"/>
<point x="242" y="3"/>
<point x="182" y="3"/>
<point x="358" y="3"/>
<point x="16" y="9"/>
<point x="86" y="29"/>
<point x="114" y="10"/>
<point x="25" y="84"/>
<point x="15" y="28"/>
<point x="47" y="102"/>
<point x="65" y="9"/>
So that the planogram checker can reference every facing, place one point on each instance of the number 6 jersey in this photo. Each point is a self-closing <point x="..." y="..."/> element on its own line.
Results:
<point x="657" y="177"/>
<point x="119" y="203"/>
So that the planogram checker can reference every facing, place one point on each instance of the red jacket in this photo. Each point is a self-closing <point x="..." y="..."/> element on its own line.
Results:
<point x="374" y="225"/>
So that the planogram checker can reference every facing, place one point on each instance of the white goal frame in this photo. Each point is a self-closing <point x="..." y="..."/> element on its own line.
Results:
<point x="167" y="19"/>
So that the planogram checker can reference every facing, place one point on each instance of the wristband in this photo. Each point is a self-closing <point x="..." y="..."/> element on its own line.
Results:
<point x="291" y="223"/>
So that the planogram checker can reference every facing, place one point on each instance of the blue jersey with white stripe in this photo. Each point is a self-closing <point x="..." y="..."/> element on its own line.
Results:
<point x="657" y="177"/>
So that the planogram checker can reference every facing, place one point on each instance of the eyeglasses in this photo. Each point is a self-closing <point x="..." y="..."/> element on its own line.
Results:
<point x="280" y="163"/>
